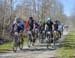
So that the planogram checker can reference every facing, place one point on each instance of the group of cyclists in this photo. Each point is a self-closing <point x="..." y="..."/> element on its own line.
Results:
<point x="36" y="29"/>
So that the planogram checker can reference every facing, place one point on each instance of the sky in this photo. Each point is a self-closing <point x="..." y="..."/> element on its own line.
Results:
<point x="67" y="4"/>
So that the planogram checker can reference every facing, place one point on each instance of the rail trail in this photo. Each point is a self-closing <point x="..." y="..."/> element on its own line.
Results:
<point x="38" y="51"/>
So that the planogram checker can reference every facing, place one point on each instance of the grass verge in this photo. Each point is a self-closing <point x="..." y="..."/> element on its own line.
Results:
<point x="68" y="47"/>
<point x="8" y="46"/>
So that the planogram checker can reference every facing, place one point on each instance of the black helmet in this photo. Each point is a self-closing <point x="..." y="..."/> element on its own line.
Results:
<point x="30" y="18"/>
<point x="57" y="21"/>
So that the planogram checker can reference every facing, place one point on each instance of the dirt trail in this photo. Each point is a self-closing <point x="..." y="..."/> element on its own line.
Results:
<point x="39" y="51"/>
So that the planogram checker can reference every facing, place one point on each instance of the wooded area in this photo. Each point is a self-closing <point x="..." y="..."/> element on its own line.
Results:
<point x="39" y="9"/>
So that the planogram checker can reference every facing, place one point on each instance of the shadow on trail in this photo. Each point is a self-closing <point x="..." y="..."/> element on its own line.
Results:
<point x="5" y="51"/>
<point x="37" y="49"/>
<point x="40" y="48"/>
<point x="28" y="50"/>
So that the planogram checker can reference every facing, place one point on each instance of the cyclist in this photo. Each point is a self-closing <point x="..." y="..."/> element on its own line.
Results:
<point x="49" y="26"/>
<point x="17" y="28"/>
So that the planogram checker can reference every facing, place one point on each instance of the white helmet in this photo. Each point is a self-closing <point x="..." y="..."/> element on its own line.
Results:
<point x="49" y="19"/>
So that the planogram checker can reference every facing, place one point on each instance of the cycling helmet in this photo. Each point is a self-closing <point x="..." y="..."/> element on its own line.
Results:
<point x="49" y="19"/>
<point x="30" y="18"/>
<point x="57" y="21"/>
<point x="17" y="17"/>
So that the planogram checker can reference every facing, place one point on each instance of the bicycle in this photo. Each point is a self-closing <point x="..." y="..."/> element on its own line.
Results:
<point x="17" y="41"/>
<point x="56" y="36"/>
<point x="48" y="34"/>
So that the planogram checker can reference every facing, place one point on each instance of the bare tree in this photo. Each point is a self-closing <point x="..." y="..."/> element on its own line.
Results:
<point x="40" y="9"/>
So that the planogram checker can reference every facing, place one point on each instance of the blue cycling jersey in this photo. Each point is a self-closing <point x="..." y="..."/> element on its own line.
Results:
<point x="17" y="27"/>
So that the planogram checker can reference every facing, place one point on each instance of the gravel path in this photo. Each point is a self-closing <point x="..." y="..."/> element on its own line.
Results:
<point x="38" y="51"/>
